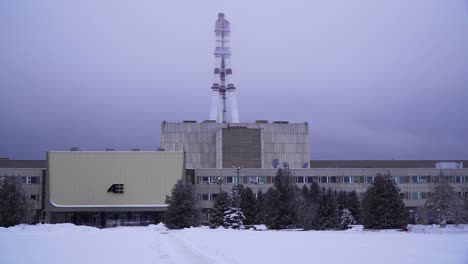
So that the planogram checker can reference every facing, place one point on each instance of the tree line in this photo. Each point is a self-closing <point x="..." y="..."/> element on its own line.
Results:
<point x="286" y="206"/>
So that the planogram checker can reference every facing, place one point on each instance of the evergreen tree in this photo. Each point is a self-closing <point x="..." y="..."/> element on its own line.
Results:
<point x="272" y="214"/>
<point x="306" y="207"/>
<point x="354" y="205"/>
<point x="182" y="211"/>
<point x="382" y="206"/>
<point x="285" y="213"/>
<point x="221" y="206"/>
<point x="314" y="192"/>
<point x="260" y="208"/>
<point x="346" y="219"/>
<point x="342" y="200"/>
<point x="248" y="206"/>
<point x="447" y="204"/>
<point x="327" y="217"/>
<point x="234" y="217"/>
<point x="15" y="207"/>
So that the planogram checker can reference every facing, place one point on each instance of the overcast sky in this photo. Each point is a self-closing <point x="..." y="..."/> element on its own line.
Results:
<point x="374" y="79"/>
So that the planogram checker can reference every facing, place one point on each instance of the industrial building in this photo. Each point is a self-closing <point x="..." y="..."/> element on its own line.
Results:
<point x="110" y="188"/>
<point x="252" y="145"/>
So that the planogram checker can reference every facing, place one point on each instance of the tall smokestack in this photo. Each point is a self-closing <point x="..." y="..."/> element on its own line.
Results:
<point x="222" y="83"/>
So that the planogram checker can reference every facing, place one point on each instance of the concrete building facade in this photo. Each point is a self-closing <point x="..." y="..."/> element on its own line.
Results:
<point x="415" y="181"/>
<point x="108" y="188"/>
<point x="252" y="145"/>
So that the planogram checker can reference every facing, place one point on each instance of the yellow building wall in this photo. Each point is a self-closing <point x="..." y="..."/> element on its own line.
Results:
<point x="82" y="179"/>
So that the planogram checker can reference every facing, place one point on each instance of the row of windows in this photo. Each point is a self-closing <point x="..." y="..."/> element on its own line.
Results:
<point x="328" y="179"/>
<point x="403" y="195"/>
<point x="30" y="179"/>
<point x="207" y="196"/>
<point x="235" y="179"/>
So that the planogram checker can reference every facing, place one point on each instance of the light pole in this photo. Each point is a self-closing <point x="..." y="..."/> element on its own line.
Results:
<point x="220" y="181"/>
<point x="238" y="168"/>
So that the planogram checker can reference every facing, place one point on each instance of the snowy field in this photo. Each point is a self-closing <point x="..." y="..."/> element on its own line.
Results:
<point x="67" y="243"/>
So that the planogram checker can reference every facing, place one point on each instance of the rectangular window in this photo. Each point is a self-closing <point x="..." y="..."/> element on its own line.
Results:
<point x="309" y="179"/>
<point x="253" y="179"/>
<point x="332" y="179"/>
<point x="424" y="195"/>
<point x="238" y="180"/>
<point x="356" y="179"/>
<point x="346" y="179"/>
<point x="401" y="179"/>
<point x="459" y="179"/>
<point x="30" y="180"/>
<point x="263" y="179"/>
<point x="204" y="179"/>
<point x="414" y="179"/>
<point x="213" y="196"/>
<point x="228" y="179"/>
<point x="323" y="179"/>
<point x="300" y="179"/>
<point x="414" y="196"/>
<point x="34" y="197"/>
<point x="369" y="179"/>
<point x="205" y="196"/>
<point x="422" y="179"/>
<point x="402" y="195"/>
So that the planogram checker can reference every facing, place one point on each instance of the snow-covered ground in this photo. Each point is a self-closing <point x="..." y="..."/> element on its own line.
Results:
<point x="66" y="243"/>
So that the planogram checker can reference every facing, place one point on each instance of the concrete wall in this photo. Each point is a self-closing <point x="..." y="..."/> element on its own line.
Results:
<point x="203" y="142"/>
<point x="79" y="179"/>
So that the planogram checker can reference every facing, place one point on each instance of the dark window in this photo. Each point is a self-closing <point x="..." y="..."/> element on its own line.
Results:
<point x="332" y="178"/>
<point x="300" y="179"/>
<point x="205" y="196"/>
<point x="309" y="179"/>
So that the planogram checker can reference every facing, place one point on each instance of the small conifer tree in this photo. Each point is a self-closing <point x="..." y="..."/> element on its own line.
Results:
<point x="247" y="205"/>
<point x="220" y="207"/>
<point x="182" y="211"/>
<point x="327" y="217"/>
<point x="260" y="208"/>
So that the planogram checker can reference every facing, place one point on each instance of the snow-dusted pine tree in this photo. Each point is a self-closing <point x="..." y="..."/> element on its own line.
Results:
<point x="221" y="205"/>
<point x="281" y="205"/>
<point x="382" y="206"/>
<point x="446" y="203"/>
<point x="346" y="219"/>
<point x="233" y="217"/>
<point x="248" y="205"/>
<point x="15" y="207"/>
<point x="327" y="217"/>
<point x="354" y="205"/>
<point x="260" y="208"/>
<point x="182" y="210"/>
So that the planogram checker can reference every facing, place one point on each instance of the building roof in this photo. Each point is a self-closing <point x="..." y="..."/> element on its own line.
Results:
<point x="378" y="163"/>
<point x="7" y="163"/>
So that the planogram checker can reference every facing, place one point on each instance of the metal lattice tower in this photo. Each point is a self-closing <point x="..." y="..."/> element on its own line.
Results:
<point x="222" y="83"/>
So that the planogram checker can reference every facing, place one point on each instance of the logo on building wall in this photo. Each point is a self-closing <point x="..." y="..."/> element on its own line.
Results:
<point x="116" y="188"/>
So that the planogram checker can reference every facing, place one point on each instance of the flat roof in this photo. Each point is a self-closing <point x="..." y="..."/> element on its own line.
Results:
<point x="7" y="163"/>
<point x="378" y="163"/>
